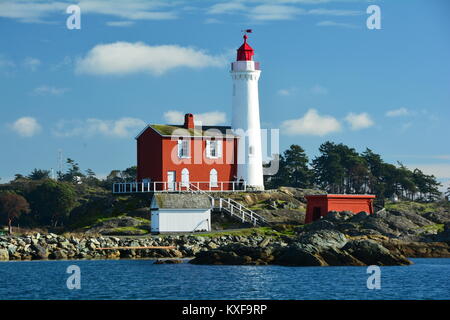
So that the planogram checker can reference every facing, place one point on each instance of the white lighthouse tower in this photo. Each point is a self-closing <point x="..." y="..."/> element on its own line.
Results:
<point x="246" y="123"/>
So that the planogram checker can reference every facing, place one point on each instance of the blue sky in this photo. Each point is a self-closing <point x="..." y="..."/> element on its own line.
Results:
<point x="325" y="76"/>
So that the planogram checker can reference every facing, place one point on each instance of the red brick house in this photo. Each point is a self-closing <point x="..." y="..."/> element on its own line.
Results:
<point x="319" y="205"/>
<point x="175" y="157"/>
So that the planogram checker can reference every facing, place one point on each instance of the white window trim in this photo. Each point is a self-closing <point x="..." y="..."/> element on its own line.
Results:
<point x="180" y="148"/>
<point x="218" y="149"/>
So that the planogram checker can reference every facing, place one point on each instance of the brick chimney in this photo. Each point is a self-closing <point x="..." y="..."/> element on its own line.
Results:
<point x="189" y="121"/>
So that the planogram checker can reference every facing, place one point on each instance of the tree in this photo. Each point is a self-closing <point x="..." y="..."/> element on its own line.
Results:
<point x="11" y="207"/>
<point x="18" y="177"/>
<point x="129" y="174"/>
<point x="52" y="201"/>
<point x="293" y="170"/>
<point x="38" y="174"/>
<point x="294" y="167"/>
<point x="72" y="174"/>
<point x="90" y="178"/>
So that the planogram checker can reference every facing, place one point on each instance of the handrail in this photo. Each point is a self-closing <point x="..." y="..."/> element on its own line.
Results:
<point x="177" y="186"/>
<point x="232" y="204"/>
<point x="248" y="210"/>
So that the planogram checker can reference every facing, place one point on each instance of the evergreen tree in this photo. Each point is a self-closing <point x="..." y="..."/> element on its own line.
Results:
<point x="38" y="174"/>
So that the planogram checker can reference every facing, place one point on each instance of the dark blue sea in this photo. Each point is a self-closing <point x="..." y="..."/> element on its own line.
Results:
<point x="141" y="279"/>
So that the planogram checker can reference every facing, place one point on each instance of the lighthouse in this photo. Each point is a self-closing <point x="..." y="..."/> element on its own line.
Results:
<point x="245" y="116"/>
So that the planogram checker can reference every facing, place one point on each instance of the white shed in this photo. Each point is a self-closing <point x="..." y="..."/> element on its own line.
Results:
<point x="180" y="213"/>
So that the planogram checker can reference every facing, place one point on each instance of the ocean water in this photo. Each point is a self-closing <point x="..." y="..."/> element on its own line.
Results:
<point x="141" y="279"/>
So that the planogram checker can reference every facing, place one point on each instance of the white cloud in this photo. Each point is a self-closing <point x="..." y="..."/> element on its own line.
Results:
<point x="121" y="128"/>
<point x="311" y="124"/>
<point x="119" y="23"/>
<point x="211" y="118"/>
<point x="30" y="11"/>
<point x="328" y="23"/>
<point x="315" y="90"/>
<point x="334" y="12"/>
<point x="49" y="90"/>
<point x="130" y="9"/>
<point x="359" y="121"/>
<point x="212" y="21"/>
<point x="125" y="58"/>
<point x="31" y="63"/>
<point x="226" y="7"/>
<point x="319" y="90"/>
<point x="6" y="63"/>
<point x="398" y="112"/>
<point x="207" y="118"/>
<point x="26" y="126"/>
<point x="287" y="92"/>
<point x="40" y="11"/>
<point x="439" y="170"/>
<point x="274" y="12"/>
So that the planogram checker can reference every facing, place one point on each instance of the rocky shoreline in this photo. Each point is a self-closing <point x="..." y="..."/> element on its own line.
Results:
<point x="313" y="248"/>
<point x="340" y="238"/>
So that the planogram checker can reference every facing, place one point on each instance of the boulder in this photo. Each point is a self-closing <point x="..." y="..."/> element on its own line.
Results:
<point x="323" y="239"/>
<point x="4" y="255"/>
<point x="372" y="253"/>
<point x="220" y="257"/>
<point x="39" y="252"/>
<point x="443" y="236"/>
<point x="58" y="255"/>
<point x="168" y="261"/>
<point x="337" y="257"/>
<point x="296" y="255"/>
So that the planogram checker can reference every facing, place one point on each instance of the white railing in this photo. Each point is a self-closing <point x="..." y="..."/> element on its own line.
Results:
<point x="237" y="209"/>
<point x="234" y="208"/>
<point x="164" y="186"/>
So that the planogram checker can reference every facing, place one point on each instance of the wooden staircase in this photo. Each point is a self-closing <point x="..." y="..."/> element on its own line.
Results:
<point x="233" y="208"/>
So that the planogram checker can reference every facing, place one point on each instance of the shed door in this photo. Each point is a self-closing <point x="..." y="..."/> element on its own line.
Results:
<point x="171" y="180"/>
<point x="316" y="213"/>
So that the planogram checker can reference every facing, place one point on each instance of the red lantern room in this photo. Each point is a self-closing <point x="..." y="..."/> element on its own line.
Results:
<point x="245" y="52"/>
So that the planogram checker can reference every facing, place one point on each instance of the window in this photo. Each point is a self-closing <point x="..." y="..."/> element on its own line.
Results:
<point x="213" y="178"/>
<point x="183" y="148"/>
<point x="213" y="149"/>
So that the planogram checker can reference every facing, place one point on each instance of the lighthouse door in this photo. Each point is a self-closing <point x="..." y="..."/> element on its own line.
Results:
<point x="171" y="180"/>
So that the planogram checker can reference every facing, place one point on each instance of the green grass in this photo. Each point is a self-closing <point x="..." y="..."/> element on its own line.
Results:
<point x="135" y="230"/>
<point x="433" y="228"/>
<point x="261" y="231"/>
<point x="412" y="206"/>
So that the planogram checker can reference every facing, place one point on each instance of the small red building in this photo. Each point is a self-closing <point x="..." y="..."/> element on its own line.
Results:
<point x="176" y="157"/>
<point x="319" y="205"/>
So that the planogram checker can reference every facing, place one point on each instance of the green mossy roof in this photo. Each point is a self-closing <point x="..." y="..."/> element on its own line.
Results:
<point x="182" y="201"/>
<point x="168" y="130"/>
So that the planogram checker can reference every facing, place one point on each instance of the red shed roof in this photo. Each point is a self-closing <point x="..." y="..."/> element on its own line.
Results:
<point x="245" y="52"/>
<point x="342" y="196"/>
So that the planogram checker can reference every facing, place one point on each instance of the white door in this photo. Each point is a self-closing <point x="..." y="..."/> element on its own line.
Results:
<point x="171" y="180"/>
<point x="185" y="178"/>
